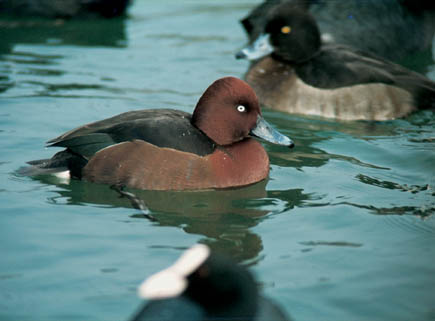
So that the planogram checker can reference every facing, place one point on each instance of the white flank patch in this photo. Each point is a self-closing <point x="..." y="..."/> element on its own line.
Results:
<point x="172" y="281"/>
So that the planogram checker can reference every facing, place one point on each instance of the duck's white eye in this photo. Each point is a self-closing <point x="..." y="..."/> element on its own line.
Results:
<point x="241" y="108"/>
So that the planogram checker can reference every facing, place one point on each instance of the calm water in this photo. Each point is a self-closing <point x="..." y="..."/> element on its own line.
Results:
<point x="343" y="230"/>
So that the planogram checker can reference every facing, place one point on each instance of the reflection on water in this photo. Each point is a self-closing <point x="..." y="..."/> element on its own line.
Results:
<point x="416" y="225"/>
<point x="90" y="32"/>
<point x="316" y="243"/>
<point x="380" y="154"/>
<point x="420" y="211"/>
<point x="224" y="217"/>
<point x="310" y="132"/>
<point x="391" y="185"/>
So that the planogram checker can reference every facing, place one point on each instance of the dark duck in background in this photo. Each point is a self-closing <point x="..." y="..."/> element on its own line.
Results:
<point x="294" y="72"/>
<point x="401" y="31"/>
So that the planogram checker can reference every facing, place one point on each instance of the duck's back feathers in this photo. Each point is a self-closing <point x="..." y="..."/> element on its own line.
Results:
<point x="162" y="128"/>
<point x="158" y="127"/>
<point x="63" y="161"/>
<point x="338" y="66"/>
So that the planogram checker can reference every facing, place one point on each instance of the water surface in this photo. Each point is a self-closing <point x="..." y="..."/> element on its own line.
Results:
<point x="342" y="230"/>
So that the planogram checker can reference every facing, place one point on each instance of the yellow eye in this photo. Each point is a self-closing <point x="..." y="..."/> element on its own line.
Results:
<point x="286" y="29"/>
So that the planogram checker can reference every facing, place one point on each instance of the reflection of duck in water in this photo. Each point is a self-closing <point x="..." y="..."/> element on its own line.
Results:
<point x="203" y="285"/>
<point x="64" y="8"/>
<point x="224" y="218"/>
<point x="31" y="29"/>
<point x="164" y="149"/>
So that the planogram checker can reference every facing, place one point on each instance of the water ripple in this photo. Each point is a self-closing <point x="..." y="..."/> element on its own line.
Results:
<point x="423" y="211"/>
<point x="411" y="224"/>
<point x="392" y="185"/>
<point x="31" y="58"/>
<point x="331" y="243"/>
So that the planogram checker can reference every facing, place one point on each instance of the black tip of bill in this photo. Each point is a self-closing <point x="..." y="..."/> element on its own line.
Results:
<point x="241" y="55"/>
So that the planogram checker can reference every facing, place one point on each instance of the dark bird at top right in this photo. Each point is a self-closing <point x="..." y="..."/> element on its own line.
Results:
<point x="398" y="30"/>
<point x="295" y="72"/>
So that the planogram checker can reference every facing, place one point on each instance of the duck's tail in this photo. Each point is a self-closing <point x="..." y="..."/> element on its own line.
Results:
<point x="40" y="167"/>
<point x="64" y="161"/>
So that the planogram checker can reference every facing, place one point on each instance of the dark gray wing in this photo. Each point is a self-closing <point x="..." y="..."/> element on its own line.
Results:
<point x="160" y="127"/>
<point x="338" y="66"/>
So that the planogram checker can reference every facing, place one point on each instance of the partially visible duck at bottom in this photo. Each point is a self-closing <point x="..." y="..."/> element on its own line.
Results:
<point x="295" y="73"/>
<point x="202" y="285"/>
<point x="164" y="149"/>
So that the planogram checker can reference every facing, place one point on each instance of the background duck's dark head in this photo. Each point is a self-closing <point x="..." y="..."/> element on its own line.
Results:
<point x="290" y="34"/>
<point x="294" y="34"/>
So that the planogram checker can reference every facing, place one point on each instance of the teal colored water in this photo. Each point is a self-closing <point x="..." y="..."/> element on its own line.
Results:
<point x="344" y="229"/>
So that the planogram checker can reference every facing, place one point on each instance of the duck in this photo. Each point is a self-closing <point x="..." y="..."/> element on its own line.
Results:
<point x="65" y="8"/>
<point x="204" y="285"/>
<point x="294" y="72"/>
<point x="167" y="149"/>
<point x="397" y="30"/>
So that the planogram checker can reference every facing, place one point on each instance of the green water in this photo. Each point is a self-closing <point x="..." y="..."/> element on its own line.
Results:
<point x="342" y="230"/>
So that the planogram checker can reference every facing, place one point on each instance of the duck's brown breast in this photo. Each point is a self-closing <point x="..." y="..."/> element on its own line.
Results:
<point x="138" y="164"/>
